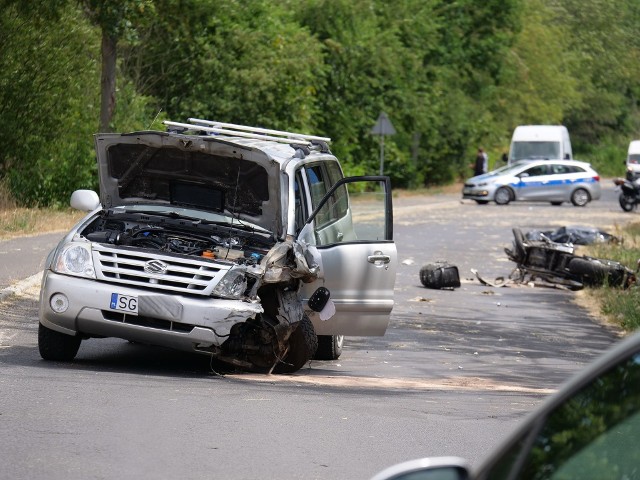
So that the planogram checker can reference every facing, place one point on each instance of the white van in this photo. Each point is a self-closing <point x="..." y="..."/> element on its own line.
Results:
<point x="633" y="160"/>
<point x="540" y="142"/>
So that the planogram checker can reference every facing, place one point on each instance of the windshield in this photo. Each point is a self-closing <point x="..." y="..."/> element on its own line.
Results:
<point x="634" y="158"/>
<point x="513" y="168"/>
<point x="535" y="150"/>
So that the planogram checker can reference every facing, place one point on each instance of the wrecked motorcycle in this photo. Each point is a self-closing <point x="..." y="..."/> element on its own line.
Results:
<point x="629" y="193"/>
<point x="557" y="264"/>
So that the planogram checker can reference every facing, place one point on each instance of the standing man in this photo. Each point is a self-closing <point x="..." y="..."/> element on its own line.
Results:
<point x="480" y="166"/>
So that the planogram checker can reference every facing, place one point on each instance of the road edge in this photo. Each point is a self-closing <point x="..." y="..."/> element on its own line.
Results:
<point x="21" y="286"/>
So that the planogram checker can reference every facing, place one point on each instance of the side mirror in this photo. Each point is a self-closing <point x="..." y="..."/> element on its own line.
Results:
<point x="439" y="468"/>
<point x="523" y="175"/>
<point x="85" y="200"/>
<point x="567" y="156"/>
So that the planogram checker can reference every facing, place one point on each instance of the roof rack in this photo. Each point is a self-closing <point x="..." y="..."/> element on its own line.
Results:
<point x="247" y="132"/>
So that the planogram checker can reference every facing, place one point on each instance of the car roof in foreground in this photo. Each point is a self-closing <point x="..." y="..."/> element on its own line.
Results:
<point x="624" y="349"/>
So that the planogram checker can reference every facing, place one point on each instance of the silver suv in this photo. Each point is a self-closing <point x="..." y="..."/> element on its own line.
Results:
<point x="241" y="243"/>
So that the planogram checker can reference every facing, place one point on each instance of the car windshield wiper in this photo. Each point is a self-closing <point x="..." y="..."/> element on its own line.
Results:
<point x="234" y="223"/>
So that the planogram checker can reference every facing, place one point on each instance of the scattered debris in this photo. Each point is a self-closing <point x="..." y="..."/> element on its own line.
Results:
<point x="440" y="275"/>
<point x="421" y="299"/>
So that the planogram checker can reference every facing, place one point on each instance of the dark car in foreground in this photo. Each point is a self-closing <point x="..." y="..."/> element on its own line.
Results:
<point x="589" y="429"/>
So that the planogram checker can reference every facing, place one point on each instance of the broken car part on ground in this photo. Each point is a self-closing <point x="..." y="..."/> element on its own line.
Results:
<point x="211" y="238"/>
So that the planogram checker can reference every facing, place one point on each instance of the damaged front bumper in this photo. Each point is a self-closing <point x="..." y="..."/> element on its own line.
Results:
<point x="79" y="306"/>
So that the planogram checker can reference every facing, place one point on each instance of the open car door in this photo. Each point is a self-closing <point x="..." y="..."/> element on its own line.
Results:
<point x="352" y="230"/>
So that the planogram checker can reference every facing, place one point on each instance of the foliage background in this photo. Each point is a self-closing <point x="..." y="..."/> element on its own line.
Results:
<point x="451" y="75"/>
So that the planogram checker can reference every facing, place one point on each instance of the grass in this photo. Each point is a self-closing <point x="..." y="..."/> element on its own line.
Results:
<point x="620" y="307"/>
<point x="18" y="222"/>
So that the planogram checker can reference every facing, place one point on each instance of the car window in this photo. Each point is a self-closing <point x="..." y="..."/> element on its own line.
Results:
<point x="321" y="178"/>
<point x="559" y="169"/>
<point x="319" y="184"/>
<point x="368" y="218"/>
<point x="592" y="435"/>
<point x="536" y="171"/>
<point x="342" y="199"/>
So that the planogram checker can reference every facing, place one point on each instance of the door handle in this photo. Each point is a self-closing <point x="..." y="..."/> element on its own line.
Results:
<point x="378" y="258"/>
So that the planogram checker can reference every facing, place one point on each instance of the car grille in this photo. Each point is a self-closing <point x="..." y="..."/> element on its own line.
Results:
<point x="183" y="274"/>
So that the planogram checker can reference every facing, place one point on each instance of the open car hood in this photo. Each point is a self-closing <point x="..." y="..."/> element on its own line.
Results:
<point x="211" y="174"/>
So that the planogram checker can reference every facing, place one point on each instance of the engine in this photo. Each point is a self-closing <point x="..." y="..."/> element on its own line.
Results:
<point x="178" y="236"/>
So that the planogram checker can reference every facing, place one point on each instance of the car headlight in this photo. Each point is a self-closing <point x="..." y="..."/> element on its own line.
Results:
<point x="75" y="259"/>
<point x="483" y="184"/>
<point x="233" y="284"/>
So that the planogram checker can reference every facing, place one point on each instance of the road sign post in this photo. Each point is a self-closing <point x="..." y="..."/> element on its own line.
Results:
<point x="382" y="127"/>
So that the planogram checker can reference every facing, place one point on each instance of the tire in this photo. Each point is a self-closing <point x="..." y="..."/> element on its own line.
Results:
<point x="580" y="197"/>
<point x="594" y="271"/>
<point x="57" y="346"/>
<point x="555" y="204"/>
<point x="518" y="243"/>
<point x="329" y="347"/>
<point x="482" y="202"/>
<point x="303" y="344"/>
<point x="627" y="203"/>
<point x="502" y="196"/>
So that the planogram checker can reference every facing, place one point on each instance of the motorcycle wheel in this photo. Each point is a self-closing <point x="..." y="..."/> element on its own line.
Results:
<point x="627" y="203"/>
<point x="594" y="271"/>
<point x="520" y="251"/>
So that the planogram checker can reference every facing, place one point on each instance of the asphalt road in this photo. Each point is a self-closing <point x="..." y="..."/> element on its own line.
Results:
<point x="455" y="372"/>
<point x="24" y="256"/>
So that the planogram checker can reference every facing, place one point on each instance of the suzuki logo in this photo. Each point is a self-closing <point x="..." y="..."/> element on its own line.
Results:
<point x="156" y="267"/>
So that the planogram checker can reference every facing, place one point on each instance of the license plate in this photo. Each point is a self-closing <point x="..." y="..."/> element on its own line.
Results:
<point x="124" y="303"/>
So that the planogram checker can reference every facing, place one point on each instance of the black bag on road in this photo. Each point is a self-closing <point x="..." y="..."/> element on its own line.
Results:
<point x="440" y="275"/>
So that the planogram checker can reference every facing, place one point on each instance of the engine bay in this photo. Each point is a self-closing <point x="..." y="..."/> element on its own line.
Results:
<point x="168" y="232"/>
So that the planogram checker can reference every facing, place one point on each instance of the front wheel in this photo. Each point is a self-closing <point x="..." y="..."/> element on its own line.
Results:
<point x="58" y="346"/>
<point x="303" y="344"/>
<point x="627" y="203"/>
<point x="580" y="197"/>
<point x="329" y="347"/>
<point x="502" y="196"/>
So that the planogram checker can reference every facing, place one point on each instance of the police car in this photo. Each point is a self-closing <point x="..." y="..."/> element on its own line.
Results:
<point x="553" y="181"/>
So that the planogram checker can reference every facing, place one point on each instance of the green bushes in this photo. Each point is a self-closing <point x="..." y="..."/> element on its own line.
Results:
<point x="452" y="76"/>
<point x="620" y="306"/>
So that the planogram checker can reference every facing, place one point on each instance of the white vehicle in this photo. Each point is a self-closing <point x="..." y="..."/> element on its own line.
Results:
<point x="554" y="181"/>
<point x="633" y="160"/>
<point x="235" y="242"/>
<point x="540" y="142"/>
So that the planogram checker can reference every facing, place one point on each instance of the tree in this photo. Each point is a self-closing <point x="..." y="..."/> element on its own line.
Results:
<point x="115" y="18"/>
